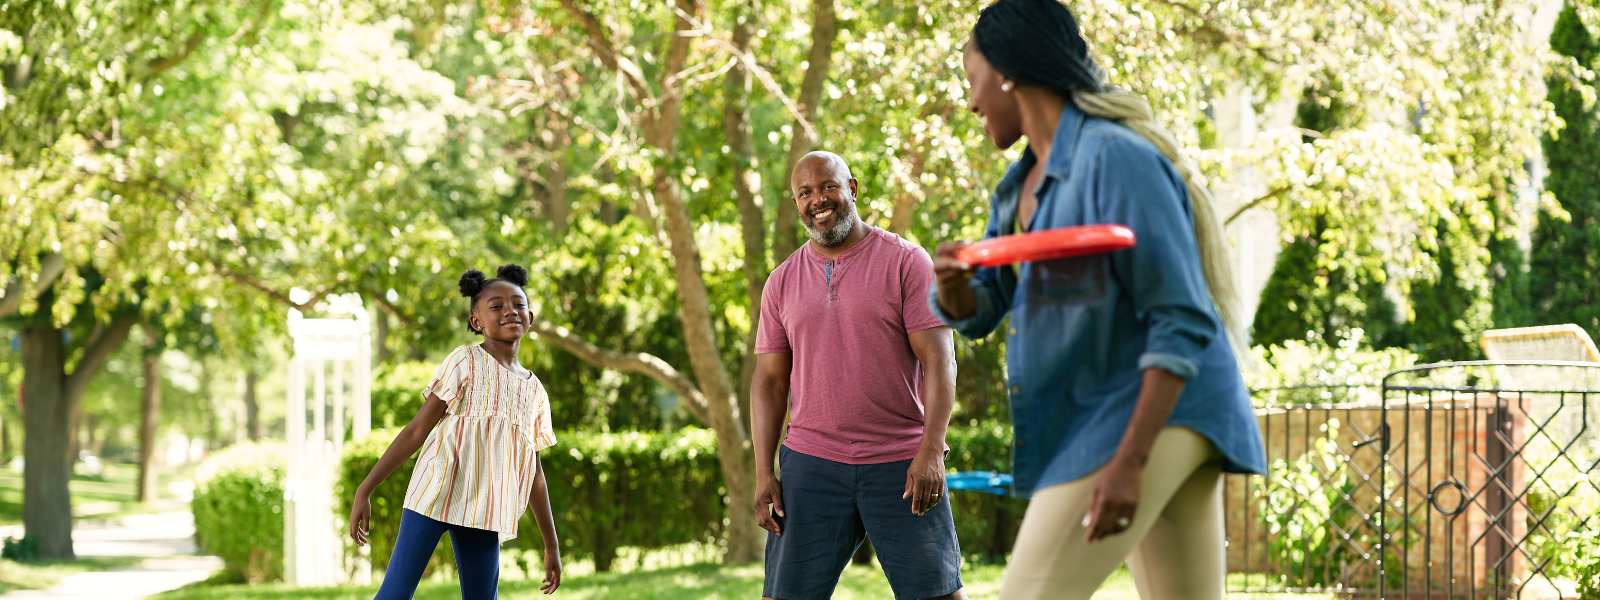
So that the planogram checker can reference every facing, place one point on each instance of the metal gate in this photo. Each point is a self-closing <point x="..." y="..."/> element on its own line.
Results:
<point x="1450" y="480"/>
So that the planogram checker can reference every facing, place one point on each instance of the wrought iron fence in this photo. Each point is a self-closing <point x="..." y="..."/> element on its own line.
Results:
<point x="1446" y="480"/>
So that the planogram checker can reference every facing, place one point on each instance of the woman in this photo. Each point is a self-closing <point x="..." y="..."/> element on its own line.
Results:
<point x="1125" y="391"/>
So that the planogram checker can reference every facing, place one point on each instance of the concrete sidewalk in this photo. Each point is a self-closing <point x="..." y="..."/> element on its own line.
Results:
<point x="166" y="540"/>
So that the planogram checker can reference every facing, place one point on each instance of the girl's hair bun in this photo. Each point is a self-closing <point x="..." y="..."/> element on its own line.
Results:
<point x="514" y="273"/>
<point x="471" y="283"/>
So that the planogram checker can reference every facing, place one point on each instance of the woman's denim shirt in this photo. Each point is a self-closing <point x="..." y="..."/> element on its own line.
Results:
<point x="1083" y="329"/>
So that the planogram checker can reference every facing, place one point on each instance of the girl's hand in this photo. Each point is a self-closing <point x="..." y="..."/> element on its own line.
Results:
<point x="552" y="571"/>
<point x="1116" y="500"/>
<point x="360" y="518"/>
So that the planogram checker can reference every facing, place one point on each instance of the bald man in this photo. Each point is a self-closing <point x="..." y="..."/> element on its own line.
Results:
<point x="848" y="348"/>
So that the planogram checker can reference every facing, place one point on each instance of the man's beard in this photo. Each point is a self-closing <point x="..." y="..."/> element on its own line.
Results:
<point x="842" y="226"/>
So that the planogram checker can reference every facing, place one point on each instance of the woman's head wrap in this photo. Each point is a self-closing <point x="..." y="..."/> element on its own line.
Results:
<point x="1036" y="42"/>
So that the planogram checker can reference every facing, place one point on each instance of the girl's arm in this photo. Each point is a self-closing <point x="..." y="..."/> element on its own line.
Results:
<point x="539" y="501"/>
<point x="404" y="445"/>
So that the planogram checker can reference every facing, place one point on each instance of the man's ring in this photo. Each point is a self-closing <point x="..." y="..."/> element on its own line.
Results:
<point x="1122" y="522"/>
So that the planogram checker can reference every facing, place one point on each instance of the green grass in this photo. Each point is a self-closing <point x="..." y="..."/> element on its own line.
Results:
<point x="44" y="574"/>
<point x="674" y="583"/>
<point x="110" y="495"/>
<point x="677" y="583"/>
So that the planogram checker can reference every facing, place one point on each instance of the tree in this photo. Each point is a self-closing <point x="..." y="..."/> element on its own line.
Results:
<point x="1566" y="242"/>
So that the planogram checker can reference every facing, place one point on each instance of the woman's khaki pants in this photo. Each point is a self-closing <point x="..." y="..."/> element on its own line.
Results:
<point x="1174" y="547"/>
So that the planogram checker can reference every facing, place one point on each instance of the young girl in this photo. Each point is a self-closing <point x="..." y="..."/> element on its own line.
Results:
<point x="480" y="467"/>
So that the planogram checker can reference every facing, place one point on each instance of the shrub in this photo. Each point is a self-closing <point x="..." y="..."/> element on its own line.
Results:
<point x="1316" y="373"/>
<point x="238" y="510"/>
<point x="387" y="501"/>
<point x="986" y="524"/>
<point x="397" y="392"/>
<point x="644" y="490"/>
<point x="651" y="490"/>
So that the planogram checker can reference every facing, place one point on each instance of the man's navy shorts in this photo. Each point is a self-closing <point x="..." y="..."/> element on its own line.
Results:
<point x="829" y="506"/>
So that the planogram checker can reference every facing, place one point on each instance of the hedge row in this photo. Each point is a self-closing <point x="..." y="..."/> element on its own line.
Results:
<point x="643" y="490"/>
<point x="648" y="490"/>
<point x="608" y="491"/>
<point x="238" y="510"/>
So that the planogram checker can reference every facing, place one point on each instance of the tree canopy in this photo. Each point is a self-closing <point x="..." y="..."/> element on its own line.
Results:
<point x="224" y="161"/>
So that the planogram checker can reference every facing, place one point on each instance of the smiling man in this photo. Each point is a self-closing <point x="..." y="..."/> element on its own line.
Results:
<point x="848" y="348"/>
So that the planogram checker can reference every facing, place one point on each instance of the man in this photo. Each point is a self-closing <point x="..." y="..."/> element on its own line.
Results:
<point x="846" y="334"/>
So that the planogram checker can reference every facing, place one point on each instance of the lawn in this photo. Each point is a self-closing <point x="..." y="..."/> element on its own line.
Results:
<point x="705" y="580"/>
<point x="109" y="495"/>
<point x="675" y="583"/>
<point x="44" y="574"/>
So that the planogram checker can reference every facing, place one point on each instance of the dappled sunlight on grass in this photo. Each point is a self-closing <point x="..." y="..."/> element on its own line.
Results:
<point x="44" y="574"/>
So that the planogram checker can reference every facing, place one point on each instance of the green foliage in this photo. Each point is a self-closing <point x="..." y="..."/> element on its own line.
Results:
<point x="652" y="490"/>
<point x="607" y="490"/>
<point x="1312" y="372"/>
<point x="1302" y="507"/>
<point x="388" y="500"/>
<point x="631" y="489"/>
<point x="1566" y="242"/>
<point x="986" y="525"/>
<point x="23" y="549"/>
<point x="1584" y="550"/>
<point x="397" y="392"/>
<point x="238" y="510"/>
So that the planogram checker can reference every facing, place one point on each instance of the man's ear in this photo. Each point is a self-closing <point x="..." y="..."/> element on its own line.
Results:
<point x="853" y="186"/>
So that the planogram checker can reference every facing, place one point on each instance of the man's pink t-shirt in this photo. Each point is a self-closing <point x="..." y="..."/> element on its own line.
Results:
<point x="855" y="389"/>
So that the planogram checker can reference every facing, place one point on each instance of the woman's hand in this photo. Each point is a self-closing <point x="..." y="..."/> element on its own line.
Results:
<point x="360" y="517"/>
<point x="1116" y="499"/>
<point x="552" y="570"/>
<point x="955" y="296"/>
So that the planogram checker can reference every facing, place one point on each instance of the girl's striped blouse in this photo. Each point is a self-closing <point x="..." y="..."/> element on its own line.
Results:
<point x="477" y="467"/>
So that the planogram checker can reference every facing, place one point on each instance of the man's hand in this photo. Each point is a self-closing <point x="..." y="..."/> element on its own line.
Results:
<point x="769" y="499"/>
<point x="925" y="481"/>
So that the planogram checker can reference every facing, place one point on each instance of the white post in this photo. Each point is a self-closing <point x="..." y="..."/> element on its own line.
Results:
<point x="314" y="547"/>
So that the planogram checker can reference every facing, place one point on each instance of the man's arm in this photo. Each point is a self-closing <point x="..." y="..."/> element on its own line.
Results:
<point x="769" y="402"/>
<point x="936" y="351"/>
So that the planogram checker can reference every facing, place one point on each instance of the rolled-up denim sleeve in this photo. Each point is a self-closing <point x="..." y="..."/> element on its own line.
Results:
<point x="991" y="304"/>
<point x="1139" y="188"/>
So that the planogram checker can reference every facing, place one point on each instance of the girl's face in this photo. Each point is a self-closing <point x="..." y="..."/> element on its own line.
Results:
<point x="501" y="312"/>
<point x="995" y="105"/>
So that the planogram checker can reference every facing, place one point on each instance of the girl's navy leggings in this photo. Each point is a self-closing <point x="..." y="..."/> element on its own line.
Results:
<point x="477" y="558"/>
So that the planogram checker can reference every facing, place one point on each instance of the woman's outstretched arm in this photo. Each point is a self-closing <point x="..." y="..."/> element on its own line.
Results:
<point x="539" y="501"/>
<point x="404" y="445"/>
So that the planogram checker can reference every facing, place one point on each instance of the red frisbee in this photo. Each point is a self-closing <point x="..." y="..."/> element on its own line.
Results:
<point x="1048" y="244"/>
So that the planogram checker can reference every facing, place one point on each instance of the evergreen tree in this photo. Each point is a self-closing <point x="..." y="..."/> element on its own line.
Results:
<point x="1566" y="252"/>
<point x="1303" y="294"/>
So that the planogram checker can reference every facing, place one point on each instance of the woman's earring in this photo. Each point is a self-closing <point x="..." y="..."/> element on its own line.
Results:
<point x="1005" y="87"/>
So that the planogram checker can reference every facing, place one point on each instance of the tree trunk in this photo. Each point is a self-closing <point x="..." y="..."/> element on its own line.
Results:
<point x="252" y="411"/>
<point x="213" y="431"/>
<point x="46" y="503"/>
<point x="554" y="140"/>
<point x="747" y="192"/>
<point x="905" y="200"/>
<point x="50" y="395"/>
<point x="74" y="444"/>
<point x="380" y="337"/>
<point x="150" y="404"/>
<point x="824" y="30"/>
<point x="660" y="126"/>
